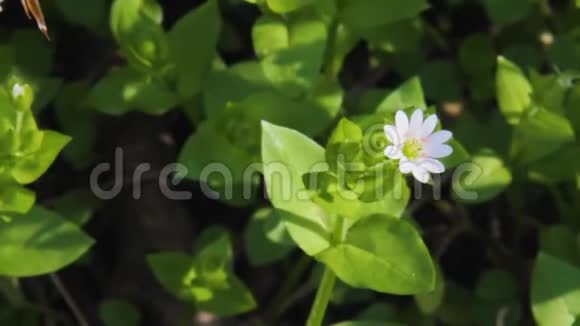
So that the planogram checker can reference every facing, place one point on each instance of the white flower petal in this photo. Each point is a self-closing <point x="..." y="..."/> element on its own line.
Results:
<point x="429" y="125"/>
<point x="402" y="123"/>
<point x="406" y="166"/>
<point x="432" y="165"/>
<point x="416" y="122"/>
<point x="392" y="135"/>
<point x="438" y="150"/>
<point x="421" y="174"/>
<point x="393" y="152"/>
<point x="439" y="137"/>
<point x="17" y="90"/>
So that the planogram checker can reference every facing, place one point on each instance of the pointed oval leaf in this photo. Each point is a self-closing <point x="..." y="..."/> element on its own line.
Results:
<point x="555" y="292"/>
<point x="362" y="14"/>
<point x="486" y="179"/>
<point x="39" y="242"/>
<point x="513" y="90"/>
<point x="193" y="42"/>
<point x="287" y="155"/>
<point x="34" y="165"/>
<point x="285" y="6"/>
<point x="383" y="254"/>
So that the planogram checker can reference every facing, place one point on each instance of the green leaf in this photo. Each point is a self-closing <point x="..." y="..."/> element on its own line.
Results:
<point x="362" y="14"/>
<point x="559" y="166"/>
<point x="365" y="323"/>
<point x="139" y="33"/>
<point x="344" y="144"/>
<point x="15" y="199"/>
<point x="39" y="242"/>
<point x="404" y="35"/>
<point x="90" y="14"/>
<point x="78" y="120"/>
<point x="205" y="280"/>
<point x="270" y="34"/>
<point x="297" y="68"/>
<point x="193" y="42"/>
<point x="223" y="165"/>
<point x="344" y="294"/>
<point x="513" y="90"/>
<point x="508" y="12"/>
<point x="379" y="311"/>
<point x="477" y="55"/>
<point x="229" y="297"/>
<point x="564" y="52"/>
<point x="525" y="55"/>
<point x="310" y="117"/>
<point x="151" y="96"/>
<point x="31" y="52"/>
<point x="430" y="302"/>
<point x="561" y="241"/>
<point x="175" y="271"/>
<point x="116" y="312"/>
<point x="345" y="131"/>
<point x="285" y="6"/>
<point x="408" y="95"/>
<point x="459" y="306"/>
<point x="287" y="155"/>
<point x="326" y="96"/>
<point x="549" y="91"/>
<point x="233" y="84"/>
<point x="46" y="89"/>
<point x="492" y="124"/>
<point x="275" y="230"/>
<point x="483" y="181"/>
<point x="125" y="89"/>
<point x="383" y="254"/>
<point x="260" y="249"/>
<point x="381" y="190"/>
<point x="540" y="133"/>
<point x="31" y="167"/>
<point x="344" y="41"/>
<point x="555" y="292"/>
<point x="571" y="111"/>
<point x="459" y="155"/>
<point x="213" y="250"/>
<point x="217" y="289"/>
<point x="77" y="206"/>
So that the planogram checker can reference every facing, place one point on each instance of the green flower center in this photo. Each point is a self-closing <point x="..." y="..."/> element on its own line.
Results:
<point x="412" y="149"/>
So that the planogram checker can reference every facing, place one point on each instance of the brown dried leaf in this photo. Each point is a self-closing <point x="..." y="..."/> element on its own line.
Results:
<point x="33" y="7"/>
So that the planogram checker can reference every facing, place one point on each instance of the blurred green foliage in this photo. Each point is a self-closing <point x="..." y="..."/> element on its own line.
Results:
<point x="304" y="83"/>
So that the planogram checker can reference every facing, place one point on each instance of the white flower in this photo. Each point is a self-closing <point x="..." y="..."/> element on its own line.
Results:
<point x="416" y="146"/>
<point x="17" y="90"/>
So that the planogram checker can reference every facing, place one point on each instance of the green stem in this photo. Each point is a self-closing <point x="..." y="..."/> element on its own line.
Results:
<point x="322" y="298"/>
<point x="292" y="281"/>
<point x="330" y="70"/>
<point x="326" y="286"/>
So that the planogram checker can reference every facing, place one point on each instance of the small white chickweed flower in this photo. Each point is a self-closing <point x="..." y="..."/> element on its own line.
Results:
<point x="17" y="90"/>
<point x="416" y="146"/>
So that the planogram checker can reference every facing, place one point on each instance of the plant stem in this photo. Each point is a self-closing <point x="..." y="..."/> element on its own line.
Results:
<point x="322" y="298"/>
<point x="326" y="286"/>
<point x="293" y="279"/>
<point x="81" y="320"/>
<point x="329" y="68"/>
